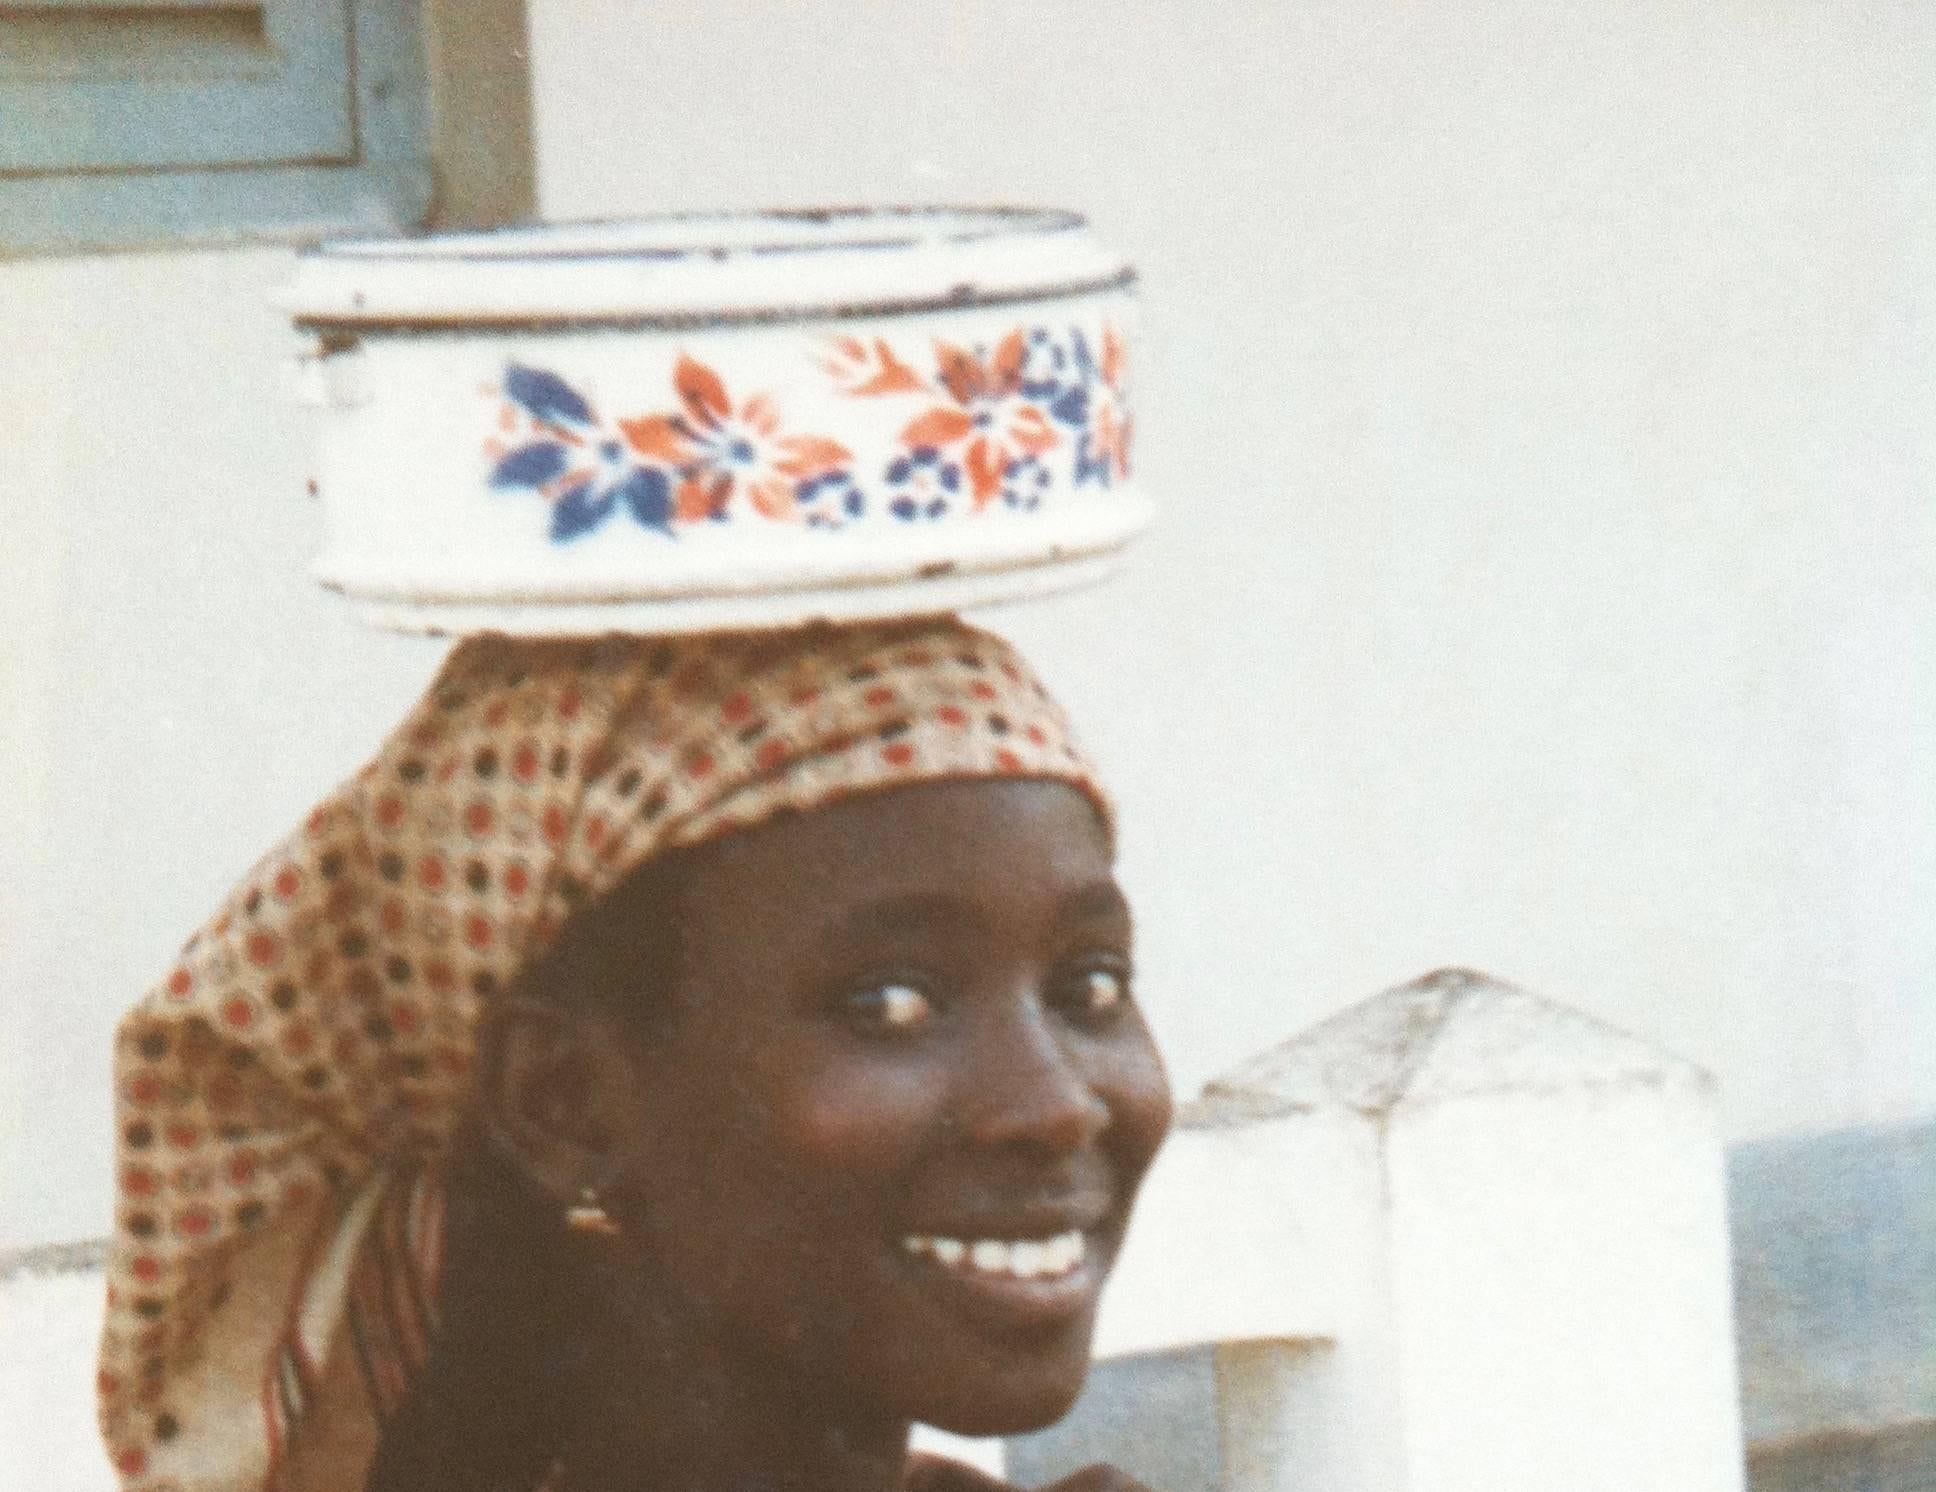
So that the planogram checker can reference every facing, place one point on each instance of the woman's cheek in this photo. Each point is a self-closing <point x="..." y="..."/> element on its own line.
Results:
<point x="866" y="1109"/>
<point x="1137" y="1088"/>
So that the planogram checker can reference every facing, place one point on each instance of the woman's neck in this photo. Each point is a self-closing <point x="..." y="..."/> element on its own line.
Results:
<point x="667" y="1402"/>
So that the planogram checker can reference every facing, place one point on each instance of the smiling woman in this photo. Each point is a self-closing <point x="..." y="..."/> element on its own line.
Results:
<point x="668" y="1064"/>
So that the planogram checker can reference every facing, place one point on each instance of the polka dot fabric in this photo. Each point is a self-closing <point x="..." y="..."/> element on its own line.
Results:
<point x="283" y="1092"/>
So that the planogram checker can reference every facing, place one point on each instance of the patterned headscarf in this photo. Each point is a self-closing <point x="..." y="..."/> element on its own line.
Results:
<point x="285" y="1093"/>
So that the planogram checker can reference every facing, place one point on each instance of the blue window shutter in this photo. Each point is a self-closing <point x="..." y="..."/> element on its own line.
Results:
<point x="134" y="86"/>
<point x="137" y="122"/>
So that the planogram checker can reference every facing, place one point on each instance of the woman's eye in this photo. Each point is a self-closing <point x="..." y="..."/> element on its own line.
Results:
<point x="893" y="1006"/>
<point x="1097" y="993"/>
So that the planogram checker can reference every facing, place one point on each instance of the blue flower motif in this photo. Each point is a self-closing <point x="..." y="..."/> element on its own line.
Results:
<point x="584" y="472"/>
<point x="1080" y="357"/>
<point x="532" y="465"/>
<point x="922" y="485"/>
<point x="1071" y="406"/>
<point x="1025" y="483"/>
<point x="1045" y="364"/>
<point x="546" y="397"/>
<point x="830" y="500"/>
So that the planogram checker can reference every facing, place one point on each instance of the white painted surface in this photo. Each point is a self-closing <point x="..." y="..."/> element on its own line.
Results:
<point x="1534" y="1289"/>
<point x="1560" y="1293"/>
<point x="1239" y="1234"/>
<point x="1545" y="402"/>
<point x="49" y="1324"/>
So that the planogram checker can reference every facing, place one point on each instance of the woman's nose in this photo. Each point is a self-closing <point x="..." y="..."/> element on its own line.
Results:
<point x="1026" y="1089"/>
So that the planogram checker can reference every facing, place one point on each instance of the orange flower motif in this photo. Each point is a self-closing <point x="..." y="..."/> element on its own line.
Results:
<point x="720" y="450"/>
<point x="1105" y="452"/>
<point x="989" y="416"/>
<point x="1111" y="439"/>
<point x="1112" y="359"/>
<point x="869" y="368"/>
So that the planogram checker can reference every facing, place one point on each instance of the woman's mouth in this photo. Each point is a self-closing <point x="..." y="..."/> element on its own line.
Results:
<point x="1055" y="1258"/>
<point x="1010" y="1282"/>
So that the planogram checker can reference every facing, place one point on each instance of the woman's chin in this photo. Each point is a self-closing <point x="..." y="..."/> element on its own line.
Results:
<point x="1010" y="1407"/>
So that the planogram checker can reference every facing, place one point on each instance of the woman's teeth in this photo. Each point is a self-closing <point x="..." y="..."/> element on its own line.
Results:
<point x="1021" y="1258"/>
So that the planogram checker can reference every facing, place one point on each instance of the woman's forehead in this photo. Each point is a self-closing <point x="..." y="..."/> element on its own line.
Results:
<point x="914" y="852"/>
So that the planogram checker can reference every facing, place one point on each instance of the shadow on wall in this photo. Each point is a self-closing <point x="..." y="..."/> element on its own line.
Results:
<point x="1154" y="1416"/>
<point x="1893" y="1461"/>
<point x="1835" y="1300"/>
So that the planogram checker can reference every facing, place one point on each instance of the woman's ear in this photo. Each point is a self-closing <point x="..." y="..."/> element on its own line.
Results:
<point x="551" y="1088"/>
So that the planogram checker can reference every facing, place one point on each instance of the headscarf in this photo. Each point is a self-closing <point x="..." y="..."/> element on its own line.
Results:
<point x="285" y="1093"/>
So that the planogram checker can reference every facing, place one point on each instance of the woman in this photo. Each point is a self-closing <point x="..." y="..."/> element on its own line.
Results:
<point x="668" y="1064"/>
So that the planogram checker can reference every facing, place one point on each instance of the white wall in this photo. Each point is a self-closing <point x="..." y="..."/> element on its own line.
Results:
<point x="1541" y="399"/>
<point x="176" y="691"/>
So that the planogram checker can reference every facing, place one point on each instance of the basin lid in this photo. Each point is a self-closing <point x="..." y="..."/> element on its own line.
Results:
<point x="693" y="270"/>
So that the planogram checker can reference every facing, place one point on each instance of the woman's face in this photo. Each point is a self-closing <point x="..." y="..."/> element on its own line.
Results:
<point x="889" y="1136"/>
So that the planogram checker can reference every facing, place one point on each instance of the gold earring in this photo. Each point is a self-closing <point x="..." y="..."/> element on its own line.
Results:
<point x="588" y="1215"/>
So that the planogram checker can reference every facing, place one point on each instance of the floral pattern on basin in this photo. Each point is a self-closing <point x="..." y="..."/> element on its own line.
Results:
<point x="1003" y="425"/>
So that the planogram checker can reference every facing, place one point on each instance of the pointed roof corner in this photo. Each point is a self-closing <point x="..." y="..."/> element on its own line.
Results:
<point x="1451" y="1034"/>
